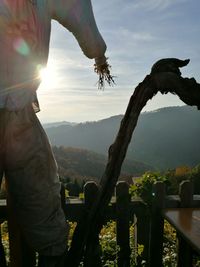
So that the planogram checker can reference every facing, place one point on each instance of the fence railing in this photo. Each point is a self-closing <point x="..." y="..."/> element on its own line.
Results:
<point x="148" y="230"/>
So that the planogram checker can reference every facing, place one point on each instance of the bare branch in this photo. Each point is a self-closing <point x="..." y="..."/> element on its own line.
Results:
<point x="165" y="77"/>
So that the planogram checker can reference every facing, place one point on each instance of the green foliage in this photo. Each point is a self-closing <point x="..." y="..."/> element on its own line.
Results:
<point x="4" y="237"/>
<point x="194" y="175"/>
<point x="110" y="249"/>
<point x="109" y="246"/>
<point x="81" y="196"/>
<point x="143" y="186"/>
<point x="176" y="176"/>
<point x="66" y="193"/>
<point x="169" y="246"/>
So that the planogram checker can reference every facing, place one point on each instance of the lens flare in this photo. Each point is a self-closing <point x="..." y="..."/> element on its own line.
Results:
<point x="21" y="46"/>
<point x="48" y="77"/>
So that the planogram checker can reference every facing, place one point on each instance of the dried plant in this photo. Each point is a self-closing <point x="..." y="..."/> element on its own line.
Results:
<point x="103" y="70"/>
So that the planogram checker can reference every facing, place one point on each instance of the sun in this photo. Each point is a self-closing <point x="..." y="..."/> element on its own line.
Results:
<point x="49" y="77"/>
<point x="44" y="74"/>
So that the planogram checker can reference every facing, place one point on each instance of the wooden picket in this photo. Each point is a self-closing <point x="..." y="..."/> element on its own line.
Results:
<point x="122" y="209"/>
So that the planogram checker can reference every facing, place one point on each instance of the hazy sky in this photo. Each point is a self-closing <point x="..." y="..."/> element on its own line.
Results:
<point x="137" y="33"/>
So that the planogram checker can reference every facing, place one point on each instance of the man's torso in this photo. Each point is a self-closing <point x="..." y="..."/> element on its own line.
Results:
<point x="24" y="45"/>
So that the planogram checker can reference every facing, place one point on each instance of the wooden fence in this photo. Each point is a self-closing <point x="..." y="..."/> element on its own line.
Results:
<point x="124" y="211"/>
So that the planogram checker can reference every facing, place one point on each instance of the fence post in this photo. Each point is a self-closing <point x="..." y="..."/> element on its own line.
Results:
<point x="143" y="233"/>
<point x="122" y="221"/>
<point x="62" y="198"/>
<point x="184" y="250"/>
<point x="90" y="192"/>
<point x="157" y="225"/>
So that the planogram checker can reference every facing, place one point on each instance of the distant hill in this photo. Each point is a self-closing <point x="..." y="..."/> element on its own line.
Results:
<point x="82" y="164"/>
<point x="165" y="138"/>
<point x="56" y="124"/>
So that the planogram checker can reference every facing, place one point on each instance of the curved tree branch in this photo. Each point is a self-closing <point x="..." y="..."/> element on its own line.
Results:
<point x="165" y="77"/>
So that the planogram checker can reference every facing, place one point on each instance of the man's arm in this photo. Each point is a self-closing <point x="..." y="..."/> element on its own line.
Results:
<point x="77" y="16"/>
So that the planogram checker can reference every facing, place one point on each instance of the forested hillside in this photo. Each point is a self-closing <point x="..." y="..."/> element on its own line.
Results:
<point x="79" y="164"/>
<point x="166" y="138"/>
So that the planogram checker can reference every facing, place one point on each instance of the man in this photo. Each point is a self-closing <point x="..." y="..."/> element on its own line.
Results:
<point x="26" y="158"/>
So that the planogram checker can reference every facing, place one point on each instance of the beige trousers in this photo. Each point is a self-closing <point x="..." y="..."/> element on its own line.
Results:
<point x="28" y="164"/>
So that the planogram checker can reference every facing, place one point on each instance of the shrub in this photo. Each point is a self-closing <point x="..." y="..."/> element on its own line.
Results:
<point x="143" y="186"/>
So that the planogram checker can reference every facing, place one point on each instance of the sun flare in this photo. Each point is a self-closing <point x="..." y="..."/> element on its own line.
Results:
<point x="49" y="77"/>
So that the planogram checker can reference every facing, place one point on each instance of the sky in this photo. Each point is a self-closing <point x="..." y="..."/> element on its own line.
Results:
<point x="137" y="34"/>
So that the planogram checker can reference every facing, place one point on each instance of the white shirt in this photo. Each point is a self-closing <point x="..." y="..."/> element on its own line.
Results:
<point x="24" y="43"/>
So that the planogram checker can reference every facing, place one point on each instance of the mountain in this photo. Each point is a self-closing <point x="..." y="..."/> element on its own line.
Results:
<point x="56" y="124"/>
<point x="81" y="164"/>
<point x="96" y="136"/>
<point x="164" y="138"/>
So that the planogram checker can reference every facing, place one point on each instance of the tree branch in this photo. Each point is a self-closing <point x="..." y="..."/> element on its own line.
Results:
<point x="165" y="78"/>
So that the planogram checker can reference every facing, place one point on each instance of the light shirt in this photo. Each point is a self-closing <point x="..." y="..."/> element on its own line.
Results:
<point x="25" y="28"/>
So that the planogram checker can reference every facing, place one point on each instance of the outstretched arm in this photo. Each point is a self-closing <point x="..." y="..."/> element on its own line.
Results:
<point x="77" y="16"/>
